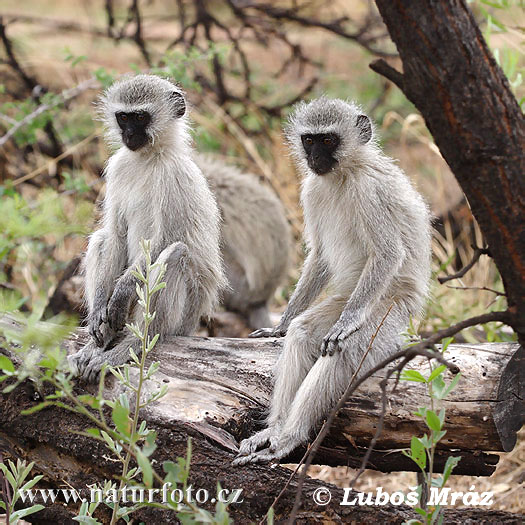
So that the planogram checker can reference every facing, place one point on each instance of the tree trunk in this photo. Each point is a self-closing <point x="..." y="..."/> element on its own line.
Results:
<point x="217" y="391"/>
<point x="453" y="80"/>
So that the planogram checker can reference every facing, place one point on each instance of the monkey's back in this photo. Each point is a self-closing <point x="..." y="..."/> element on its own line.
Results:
<point x="255" y="234"/>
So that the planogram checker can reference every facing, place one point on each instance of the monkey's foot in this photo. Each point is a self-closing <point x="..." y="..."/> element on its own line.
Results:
<point x="279" y="448"/>
<point x="88" y="362"/>
<point x="250" y="445"/>
<point x="78" y="361"/>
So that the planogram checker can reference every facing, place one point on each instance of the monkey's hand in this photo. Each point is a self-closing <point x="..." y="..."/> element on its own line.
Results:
<point x="278" y="331"/>
<point x="117" y="310"/>
<point x="348" y="323"/>
<point x="94" y="326"/>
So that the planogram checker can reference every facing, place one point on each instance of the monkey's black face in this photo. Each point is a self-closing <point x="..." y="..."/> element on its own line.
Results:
<point x="133" y="126"/>
<point x="320" y="149"/>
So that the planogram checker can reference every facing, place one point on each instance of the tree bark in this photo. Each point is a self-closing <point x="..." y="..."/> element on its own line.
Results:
<point x="452" y="78"/>
<point x="218" y="390"/>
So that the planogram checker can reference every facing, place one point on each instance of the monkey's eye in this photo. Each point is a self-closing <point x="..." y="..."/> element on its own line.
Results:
<point x="140" y="116"/>
<point x="123" y="117"/>
<point x="327" y="141"/>
<point x="309" y="140"/>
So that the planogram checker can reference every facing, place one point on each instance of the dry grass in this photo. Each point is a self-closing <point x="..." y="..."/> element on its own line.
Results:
<point x="346" y="68"/>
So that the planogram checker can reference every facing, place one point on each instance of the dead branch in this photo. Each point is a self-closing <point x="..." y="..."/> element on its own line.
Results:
<point x="65" y="96"/>
<point x="478" y="252"/>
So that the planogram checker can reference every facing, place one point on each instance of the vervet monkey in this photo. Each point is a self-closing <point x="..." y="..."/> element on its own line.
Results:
<point x="154" y="191"/>
<point x="368" y="235"/>
<point x="255" y="239"/>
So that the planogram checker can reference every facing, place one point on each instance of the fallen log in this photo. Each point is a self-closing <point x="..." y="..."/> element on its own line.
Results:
<point x="222" y="388"/>
<point x="218" y="390"/>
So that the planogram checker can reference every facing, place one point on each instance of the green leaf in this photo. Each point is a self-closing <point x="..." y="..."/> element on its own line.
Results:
<point x="450" y="387"/>
<point x="145" y="467"/>
<point x="93" y="432"/>
<point x="109" y="440"/>
<point x="9" y="476"/>
<point x="87" y="519"/>
<point x="438" y="386"/>
<point x="421" y="412"/>
<point x="32" y="482"/>
<point x="433" y="421"/>
<point x="412" y="375"/>
<point x="120" y="416"/>
<point x="418" y="453"/>
<point x="22" y="513"/>
<point x="445" y="343"/>
<point x="175" y="472"/>
<point x="90" y="401"/>
<point x="6" y="364"/>
<point x="425" y="440"/>
<point x="441" y="417"/>
<point x="450" y="465"/>
<point x="437" y="371"/>
<point x="437" y="436"/>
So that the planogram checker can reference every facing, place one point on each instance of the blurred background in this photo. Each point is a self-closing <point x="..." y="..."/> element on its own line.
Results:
<point x="243" y="64"/>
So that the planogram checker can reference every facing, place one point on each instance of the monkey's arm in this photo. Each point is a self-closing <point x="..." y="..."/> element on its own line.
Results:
<point x="105" y="261"/>
<point x="314" y="278"/>
<point x="124" y="295"/>
<point x="383" y="263"/>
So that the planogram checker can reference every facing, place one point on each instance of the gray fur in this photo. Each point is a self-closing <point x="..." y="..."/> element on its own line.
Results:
<point x="368" y="233"/>
<point x="157" y="193"/>
<point x="255" y="239"/>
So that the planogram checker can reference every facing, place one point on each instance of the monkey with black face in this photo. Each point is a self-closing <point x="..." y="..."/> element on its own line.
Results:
<point x="368" y="234"/>
<point x="154" y="191"/>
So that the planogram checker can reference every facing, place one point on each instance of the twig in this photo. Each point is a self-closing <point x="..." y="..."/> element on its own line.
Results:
<point x="137" y="37"/>
<point x="31" y="84"/>
<point x="335" y="26"/>
<point x="66" y="95"/>
<point x="481" y="288"/>
<point x="478" y="252"/>
<point x="66" y="153"/>
<point x="386" y="70"/>
<point x="29" y="81"/>
<point x="500" y="316"/>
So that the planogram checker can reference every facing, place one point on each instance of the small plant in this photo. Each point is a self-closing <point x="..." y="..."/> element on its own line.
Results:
<point x="127" y="438"/>
<point x="12" y="480"/>
<point x="422" y="449"/>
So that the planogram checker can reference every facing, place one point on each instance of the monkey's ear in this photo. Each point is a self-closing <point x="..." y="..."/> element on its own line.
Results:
<point x="365" y="128"/>
<point x="178" y="103"/>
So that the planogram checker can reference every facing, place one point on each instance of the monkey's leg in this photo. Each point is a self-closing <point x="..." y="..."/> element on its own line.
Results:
<point x="259" y="316"/>
<point x="105" y="260"/>
<point x="300" y="352"/>
<point x="177" y="313"/>
<point x="100" y="274"/>
<point x="328" y="378"/>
